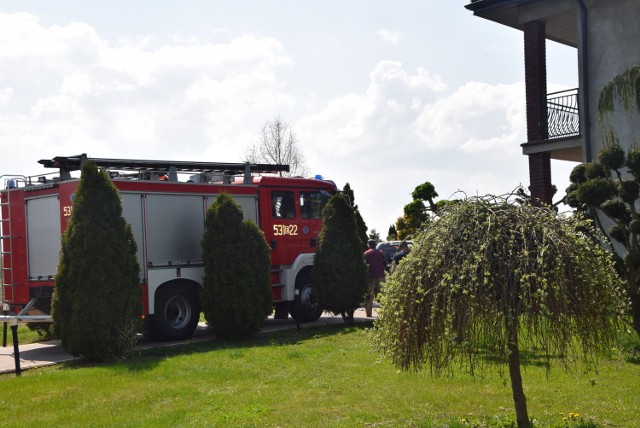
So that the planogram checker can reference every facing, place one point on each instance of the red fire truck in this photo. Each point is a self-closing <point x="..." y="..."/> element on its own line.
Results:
<point x="165" y="202"/>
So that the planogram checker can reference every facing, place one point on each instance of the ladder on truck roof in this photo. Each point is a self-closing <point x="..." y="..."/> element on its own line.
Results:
<point x="67" y="164"/>
<point x="6" y="246"/>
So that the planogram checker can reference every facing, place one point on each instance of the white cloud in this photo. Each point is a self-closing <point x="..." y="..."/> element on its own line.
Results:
<point x="406" y="129"/>
<point x="477" y="117"/>
<point x="60" y="106"/>
<point x="26" y="47"/>
<point x="72" y="91"/>
<point x="5" y="96"/>
<point x="389" y="36"/>
<point x="351" y="124"/>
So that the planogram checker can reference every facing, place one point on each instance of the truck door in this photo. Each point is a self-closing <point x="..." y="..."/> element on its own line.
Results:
<point x="282" y="229"/>
<point x="311" y="204"/>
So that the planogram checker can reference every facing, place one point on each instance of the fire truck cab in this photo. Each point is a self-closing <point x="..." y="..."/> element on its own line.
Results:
<point x="165" y="202"/>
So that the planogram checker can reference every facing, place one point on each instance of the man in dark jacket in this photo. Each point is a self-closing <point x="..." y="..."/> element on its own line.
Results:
<point x="403" y="250"/>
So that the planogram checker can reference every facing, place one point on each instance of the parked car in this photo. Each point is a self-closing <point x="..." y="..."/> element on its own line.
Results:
<point x="389" y="248"/>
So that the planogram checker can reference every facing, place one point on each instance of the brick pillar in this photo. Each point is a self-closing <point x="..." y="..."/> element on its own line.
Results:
<point x="535" y="71"/>
<point x="540" y="178"/>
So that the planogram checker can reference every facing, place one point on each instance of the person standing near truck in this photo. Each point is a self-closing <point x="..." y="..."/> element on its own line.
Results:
<point x="376" y="262"/>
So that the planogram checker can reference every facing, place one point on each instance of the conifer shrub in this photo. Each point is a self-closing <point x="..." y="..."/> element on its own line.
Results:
<point x="339" y="271"/>
<point x="96" y="306"/>
<point x="361" y="226"/>
<point x="236" y="296"/>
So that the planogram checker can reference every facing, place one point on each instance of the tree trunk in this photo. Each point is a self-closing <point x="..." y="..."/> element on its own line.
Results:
<point x="347" y="316"/>
<point x="519" y="399"/>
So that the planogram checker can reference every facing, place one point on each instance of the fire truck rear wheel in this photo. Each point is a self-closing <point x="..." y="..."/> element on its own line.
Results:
<point x="177" y="313"/>
<point x="310" y="308"/>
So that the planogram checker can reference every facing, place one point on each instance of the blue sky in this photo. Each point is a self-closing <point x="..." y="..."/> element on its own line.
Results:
<point x="383" y="95"/>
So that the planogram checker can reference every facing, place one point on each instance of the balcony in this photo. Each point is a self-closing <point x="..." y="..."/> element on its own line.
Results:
<point x="564" y="141"/>
<point x="563" y="118"/>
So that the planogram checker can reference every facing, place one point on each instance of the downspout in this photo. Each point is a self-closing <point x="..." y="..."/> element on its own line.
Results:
<point x="585" y="79"/>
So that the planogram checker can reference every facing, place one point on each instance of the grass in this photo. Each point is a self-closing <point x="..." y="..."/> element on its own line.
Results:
<point x="317" y="377"/>
<point x="25" y="335"/>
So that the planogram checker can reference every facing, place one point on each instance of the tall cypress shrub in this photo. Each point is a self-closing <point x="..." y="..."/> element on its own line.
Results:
<point x="96" y="305"/>
<point x="237" y="285"/>
<point x="361" y="226"/>
<point x="339" y="271"/>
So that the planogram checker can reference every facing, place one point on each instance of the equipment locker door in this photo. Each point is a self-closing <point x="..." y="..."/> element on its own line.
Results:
<point x="174" y="229"/>
<point x="132" y="213"/>
<point x="43" y="237"/>
<point x="248" y="203"/>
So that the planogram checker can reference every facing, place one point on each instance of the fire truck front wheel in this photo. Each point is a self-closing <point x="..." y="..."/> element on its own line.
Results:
<point x="177" y="313"/>
<point x="309" y="308"/>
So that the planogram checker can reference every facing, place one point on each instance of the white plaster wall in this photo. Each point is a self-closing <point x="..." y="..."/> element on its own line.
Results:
<point x="614" y="46"/>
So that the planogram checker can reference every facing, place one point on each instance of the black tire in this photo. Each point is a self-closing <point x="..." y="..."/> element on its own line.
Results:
<point x="310" y="308"/>
<point x="177" y="313"/>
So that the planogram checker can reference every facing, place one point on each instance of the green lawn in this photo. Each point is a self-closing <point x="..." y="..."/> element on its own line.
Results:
<point x="317" y="377"/>
<point x="25" y="335"/>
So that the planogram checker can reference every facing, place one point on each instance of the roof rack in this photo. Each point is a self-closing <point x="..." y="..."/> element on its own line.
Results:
<point x="75" y="163"/>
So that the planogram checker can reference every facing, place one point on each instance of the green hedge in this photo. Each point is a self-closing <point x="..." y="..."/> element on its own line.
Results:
<point x="96" y="305"/>
<point x="237" y="285"/>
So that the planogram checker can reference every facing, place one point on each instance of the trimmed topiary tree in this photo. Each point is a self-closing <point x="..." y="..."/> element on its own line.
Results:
<point x="236" y="297"/>
<point x="416" y="215"/>
<point x="489" y="278"/>
<point x="339" y="271"/>
<point x="96" y="305"/>
<point x="608" y="190"/>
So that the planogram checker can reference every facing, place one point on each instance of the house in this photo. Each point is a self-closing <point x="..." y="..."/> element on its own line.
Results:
<point x="565" y="125"/>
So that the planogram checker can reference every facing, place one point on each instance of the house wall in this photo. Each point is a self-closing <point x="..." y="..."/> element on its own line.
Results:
<point x="614" y="46"/>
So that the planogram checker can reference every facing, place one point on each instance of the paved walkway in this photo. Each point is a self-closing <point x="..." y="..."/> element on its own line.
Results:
<point x="49" y="353"/>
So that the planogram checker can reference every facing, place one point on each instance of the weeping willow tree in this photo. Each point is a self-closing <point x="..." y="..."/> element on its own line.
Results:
<point x="490" y="278"/>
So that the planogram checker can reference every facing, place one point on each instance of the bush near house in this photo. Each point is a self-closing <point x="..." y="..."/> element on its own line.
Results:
<point x="236" y="297"/>
<point x="96" y="305"/>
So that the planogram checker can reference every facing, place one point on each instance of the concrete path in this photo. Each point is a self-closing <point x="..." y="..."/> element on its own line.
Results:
<point x="49" y="353"/>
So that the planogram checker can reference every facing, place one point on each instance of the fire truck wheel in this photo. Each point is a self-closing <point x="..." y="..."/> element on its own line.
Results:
<point x="310" y="308"/>
<point x="176" y="314"/>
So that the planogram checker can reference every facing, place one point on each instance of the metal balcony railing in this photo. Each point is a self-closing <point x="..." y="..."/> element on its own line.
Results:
<point x="563" y="118"/>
